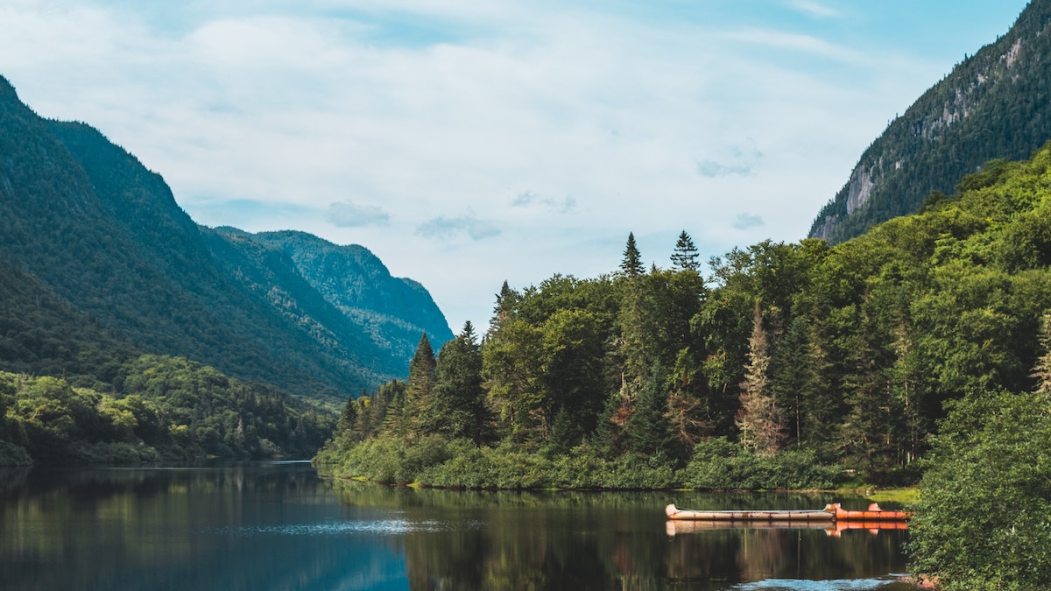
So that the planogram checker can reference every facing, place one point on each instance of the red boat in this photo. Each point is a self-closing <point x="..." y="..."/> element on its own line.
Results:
<point x="873" y="513"/>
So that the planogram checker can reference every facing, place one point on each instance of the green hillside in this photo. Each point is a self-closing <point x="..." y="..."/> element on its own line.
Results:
<point x="993" y="105"/>
<point x="101" y="253"/>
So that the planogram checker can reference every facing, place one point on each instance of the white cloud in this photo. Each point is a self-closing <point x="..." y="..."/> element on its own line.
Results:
<point x="814" y="9"/>
<point x="347" y="214"/>
<point x="445" y="228"/>
<point x="747" y="221"/>
<point x="603" y="116"/>
<point x="798" y="42"/>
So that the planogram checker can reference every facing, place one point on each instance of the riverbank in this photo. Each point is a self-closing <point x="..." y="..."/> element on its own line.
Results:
<point x="433" y="462"/>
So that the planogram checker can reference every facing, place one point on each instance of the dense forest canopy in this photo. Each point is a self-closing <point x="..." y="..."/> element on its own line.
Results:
<point x="157" y="409"/>
<point x="848" y="355"/>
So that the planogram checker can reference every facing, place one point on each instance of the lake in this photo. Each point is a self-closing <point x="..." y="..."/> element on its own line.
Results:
<point x="279" y="526"/>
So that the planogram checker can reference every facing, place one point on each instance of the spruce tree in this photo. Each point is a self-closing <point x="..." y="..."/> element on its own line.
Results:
<point x="458" y="406"/>
<point x="685" y="257"/>
<point x="419" y="386"/>
<point x="631" y="265"/>
<point x="506" y="301"/>
<point x="349" y="418"/>
<point x="759" y="420"/>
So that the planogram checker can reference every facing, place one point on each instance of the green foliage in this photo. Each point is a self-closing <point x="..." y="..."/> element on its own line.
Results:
<point x="984" y="518"/>
<point x="720" y="464"/>
<point x="854" y="355"/>
<point x="685" y="256"/>
<point x="14" y="455"/>
<point x="458" y="406"/>
<point x="167" y="409"/>
<point x="632" y="263"/>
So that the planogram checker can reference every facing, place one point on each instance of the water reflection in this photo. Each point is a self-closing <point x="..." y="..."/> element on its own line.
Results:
<point x="604" y="541"/>
<point x="277" y="527"/>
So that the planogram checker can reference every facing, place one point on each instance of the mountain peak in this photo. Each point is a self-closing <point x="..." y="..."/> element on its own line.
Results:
<point x="988" y="107"/>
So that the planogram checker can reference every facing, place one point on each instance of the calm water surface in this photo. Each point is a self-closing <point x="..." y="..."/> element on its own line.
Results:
<point x="279" y="526"/>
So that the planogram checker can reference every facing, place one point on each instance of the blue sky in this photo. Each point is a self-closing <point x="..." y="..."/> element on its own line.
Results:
<point x="471" y="142"/>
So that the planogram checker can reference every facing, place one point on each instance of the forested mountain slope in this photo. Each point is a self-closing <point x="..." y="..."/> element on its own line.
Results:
<point x="995" y="104"/>
<point x="394" y="311"/>
<point x="91" y="238"/>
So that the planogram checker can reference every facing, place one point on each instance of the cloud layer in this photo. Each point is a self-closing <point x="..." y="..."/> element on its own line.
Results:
<point x="560" y="126"/>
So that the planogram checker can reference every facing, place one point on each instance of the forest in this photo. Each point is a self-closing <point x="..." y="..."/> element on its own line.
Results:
<point x="917" y="350"/>
<point x="158" y="409"/>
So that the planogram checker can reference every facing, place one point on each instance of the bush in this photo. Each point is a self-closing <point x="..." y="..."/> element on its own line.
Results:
<point x="984" y="517"/>
<point x="14" y="455"/>
<point x="719" y="464"/>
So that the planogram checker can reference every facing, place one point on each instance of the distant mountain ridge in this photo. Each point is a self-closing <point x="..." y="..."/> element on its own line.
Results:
<point x="99" y="249"/>
<point x="996" y="104"/>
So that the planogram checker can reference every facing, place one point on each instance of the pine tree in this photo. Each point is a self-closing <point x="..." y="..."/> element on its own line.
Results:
<point x="458" y="406"/>
<point x="1042" y="368"/>
<point x="506" y="301"/>
<point x="759" y="420"/>
<point x="419" y="386"/>
<point x="685" y="257"/>
<point x="349" y="418"/>
<point x="632" y="263"/>
<point x="870" y="430"/>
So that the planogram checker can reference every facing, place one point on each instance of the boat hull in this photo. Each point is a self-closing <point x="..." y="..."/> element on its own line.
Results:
<point x="874" y="513"/>
<point x="749" y="516"/>
<point x="832" y="512"/>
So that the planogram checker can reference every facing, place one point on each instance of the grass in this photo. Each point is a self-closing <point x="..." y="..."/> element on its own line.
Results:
<point x="909" y="495"/>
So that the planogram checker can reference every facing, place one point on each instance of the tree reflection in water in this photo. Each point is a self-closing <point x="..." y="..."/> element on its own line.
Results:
<point x="575" y="540"/>
<point x="276" y="528"/>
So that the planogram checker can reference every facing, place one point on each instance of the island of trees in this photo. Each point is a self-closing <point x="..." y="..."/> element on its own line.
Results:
<point x="919" y="349"/>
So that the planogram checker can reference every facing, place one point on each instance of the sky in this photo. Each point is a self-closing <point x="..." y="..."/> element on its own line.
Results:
<point x="468" y="142"/>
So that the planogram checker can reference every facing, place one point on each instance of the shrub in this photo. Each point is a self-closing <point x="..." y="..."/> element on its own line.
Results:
<point x="984" y="517"/>
<point x="720" y="464"/>
<point x="14" y="455"/>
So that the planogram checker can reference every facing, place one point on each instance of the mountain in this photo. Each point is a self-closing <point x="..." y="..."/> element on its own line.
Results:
<point x="93" y="247"/>
<point x="996" y="104"/>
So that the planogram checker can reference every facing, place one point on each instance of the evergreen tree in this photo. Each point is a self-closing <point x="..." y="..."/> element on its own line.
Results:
<point x="647" y="428"/>
<point x="419" y="386"/>
<point x="759" y="420"/>
<point x="506" y="301"/>
<point x="631" y="265"/>
<point x="1042" y="368"/>
<point x="458" y="406"/>
<point x="564" y="433"/>
<point x="685" y="257"/>
<point x="349" y="418"/>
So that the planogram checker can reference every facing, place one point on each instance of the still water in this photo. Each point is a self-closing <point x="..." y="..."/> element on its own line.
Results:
<point x="280" y="527"/>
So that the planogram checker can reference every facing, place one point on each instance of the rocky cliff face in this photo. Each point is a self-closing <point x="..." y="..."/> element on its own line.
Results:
<point x="993" y="105"/>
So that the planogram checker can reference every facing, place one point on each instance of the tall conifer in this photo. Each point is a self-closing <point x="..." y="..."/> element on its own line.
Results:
<point x="759" y="419"/>
<point x="685" y="257"/>
<point x="631" y="265"/>
<point x="419" y="386"/>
